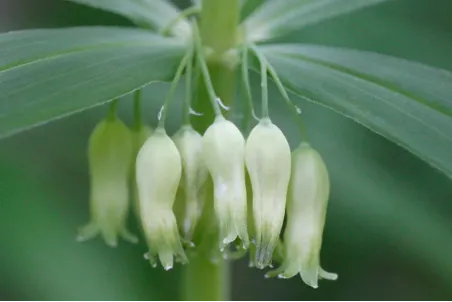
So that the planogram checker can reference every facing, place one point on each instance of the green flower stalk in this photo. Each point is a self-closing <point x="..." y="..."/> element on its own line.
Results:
<point x="194" y="176"/>
<point x="158" y="173"/>
<point x="306" y="212"/>
<point x="224" y="155"/>
<point x="110" y="156"/>
<point x="140" y="134"/>
<point x="268" y="162"/>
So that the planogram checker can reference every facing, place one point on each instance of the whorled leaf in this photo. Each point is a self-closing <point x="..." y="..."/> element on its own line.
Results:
<point x="46" y="74"/>
<point x="426" y="84"/>
<point x="276" y="18"/>
<point x="155" y="14"/>
<point x="400" y="108"/>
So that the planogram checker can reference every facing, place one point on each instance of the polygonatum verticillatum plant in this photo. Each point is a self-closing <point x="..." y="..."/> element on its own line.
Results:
<point x="174" y="182"/>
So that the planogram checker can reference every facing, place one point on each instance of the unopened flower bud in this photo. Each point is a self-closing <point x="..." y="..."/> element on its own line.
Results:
<point x="224" y="155"/>
<point x="194" y="176"/>
<point x="268" y="163"/>
<point x="306" y="211"/>
<point x="110" y="157"/>
<point x="158" y="173"/>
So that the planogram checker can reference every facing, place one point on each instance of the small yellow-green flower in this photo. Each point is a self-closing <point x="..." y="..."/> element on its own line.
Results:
<point x="158" y="173"/>
<point x="224" y="155"/>
<point x="306" y="211"/>
<point x="110" y="157"/>
<point x="268" y="163"/>
<point x="194" y="176"/>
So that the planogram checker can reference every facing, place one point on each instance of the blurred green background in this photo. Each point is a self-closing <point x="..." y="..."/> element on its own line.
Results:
<point x="389" y="228"/>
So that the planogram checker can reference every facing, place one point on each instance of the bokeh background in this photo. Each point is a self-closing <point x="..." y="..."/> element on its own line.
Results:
<point x="389" y="226"/>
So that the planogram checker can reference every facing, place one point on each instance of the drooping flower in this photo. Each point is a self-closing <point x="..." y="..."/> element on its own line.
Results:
<point x="194" y="176"/>
<point x="268" y="162"/>
<point x="158" y="173"/>
<point x="306" y="211"/>
<point x="110" y="157"/>
<point x="224" y="155"/>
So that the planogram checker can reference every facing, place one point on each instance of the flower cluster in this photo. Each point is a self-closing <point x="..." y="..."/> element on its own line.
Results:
<point x="177" y="181"/>
<point x="282" y="182"/>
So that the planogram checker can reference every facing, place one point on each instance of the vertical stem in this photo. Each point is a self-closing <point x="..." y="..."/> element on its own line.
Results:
<point x="205" y="72"/>
<point x="188" y="93"/>
<point x="203" y="279"/>
<point x="206" y="281"/>
<point x="264" y="90"/>
<point x="172" y="90"/>
<point x="219" y="23"/>
<point x="246" y="86"/>
<point x="111" y="116"/>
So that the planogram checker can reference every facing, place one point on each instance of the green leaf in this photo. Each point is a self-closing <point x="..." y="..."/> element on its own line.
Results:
<point x="428" y="85"/>
<point x="155" y="14"/>
<point x="47" y="74"/>
<point x="276" y="18"/>
<point x="398" y="107"/>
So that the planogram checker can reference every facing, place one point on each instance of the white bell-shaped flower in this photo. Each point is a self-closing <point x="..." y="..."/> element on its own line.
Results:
<point x="268" y="162"/>
<point x="224" y="155"/>
<point x="194" y="176"/>
<point x="158" y="173"/>
<point x="110" y="157"/>
<point x="306" y="211"/>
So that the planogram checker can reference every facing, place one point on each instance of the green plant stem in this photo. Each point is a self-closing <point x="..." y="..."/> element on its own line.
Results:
<point x="282" y="90"/>
<point x="188" y="90"/>
<point x="111" y="116"/>
<point x="264" y="90"/>
<point x="205" y="72"/>
<point x="219" y="23"/>
<point x="169" y="97"/>
<point x="203" y="279"/>
<point x="247" y="87"/>
<point x="264" y="86"/>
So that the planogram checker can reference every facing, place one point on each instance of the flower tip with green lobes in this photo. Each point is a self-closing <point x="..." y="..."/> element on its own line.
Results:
<point x="268" y="161"/>
<point x="306" y="212"/>
<point x="194" y="176"/>
<point x="158" y="173"/>
<point x="224" y="155"/>
<point x="110" y="155"/>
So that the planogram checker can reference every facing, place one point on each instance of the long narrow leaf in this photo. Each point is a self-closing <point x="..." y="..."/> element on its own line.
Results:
<point x="276" y="18"/>
<point x="47" y="74"/>
<point x="428" y="85"/>
<point x="156" y="14"/>
<point x="400" y="117"/>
